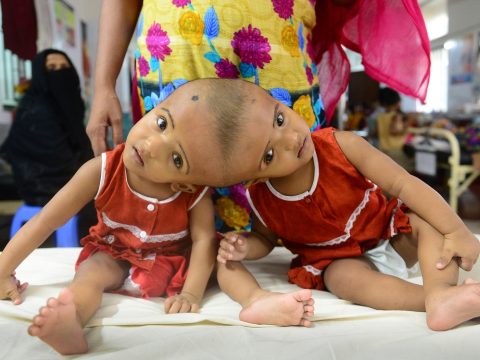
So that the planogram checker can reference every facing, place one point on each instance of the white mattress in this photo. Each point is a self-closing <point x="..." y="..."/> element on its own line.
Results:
<point x="126" y="327"/>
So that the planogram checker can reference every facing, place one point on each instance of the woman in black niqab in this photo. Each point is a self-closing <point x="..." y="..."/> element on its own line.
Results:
<point x="47" y="142"/>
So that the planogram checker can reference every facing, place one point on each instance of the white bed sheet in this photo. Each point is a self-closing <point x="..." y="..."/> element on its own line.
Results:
<point x="126" y="327"/>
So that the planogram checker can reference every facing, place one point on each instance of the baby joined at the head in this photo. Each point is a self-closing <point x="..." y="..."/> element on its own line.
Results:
<point x="220" y="132"/>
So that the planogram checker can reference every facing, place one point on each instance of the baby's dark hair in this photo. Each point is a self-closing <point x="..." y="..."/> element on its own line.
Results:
<point x="227" y="101"/>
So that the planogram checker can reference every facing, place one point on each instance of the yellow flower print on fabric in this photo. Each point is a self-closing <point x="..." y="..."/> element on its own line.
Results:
<point x="290" y="40"/>
<point x="303" y="107"/>
<point x="233" y="215"/>
<point x="191" y="27"/>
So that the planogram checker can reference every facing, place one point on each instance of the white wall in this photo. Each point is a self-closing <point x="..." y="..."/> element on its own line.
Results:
<point x="464" y="15"/>
<point x="464" y="19"/>
<point x="89" y="12"/>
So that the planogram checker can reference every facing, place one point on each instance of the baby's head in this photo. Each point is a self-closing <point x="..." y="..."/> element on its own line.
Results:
<point x="270" y="140"/>
<point x="217" y="132"/>
<point x="186" y="139"/>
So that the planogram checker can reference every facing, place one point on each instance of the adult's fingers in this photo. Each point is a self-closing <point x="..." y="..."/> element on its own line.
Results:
<point x="98" y="138"/>
<point x="117" y="127"/>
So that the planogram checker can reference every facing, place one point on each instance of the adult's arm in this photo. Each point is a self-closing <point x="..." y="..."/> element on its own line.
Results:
<point x="117" y="22"/>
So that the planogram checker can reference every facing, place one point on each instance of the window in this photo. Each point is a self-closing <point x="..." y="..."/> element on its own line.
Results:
<point x="438" y="88"/>
<point x="436" y="18"/>
<point x="13" y="72"/>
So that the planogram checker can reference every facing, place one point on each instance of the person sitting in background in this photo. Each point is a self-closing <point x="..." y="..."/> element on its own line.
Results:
<point x="392" y="127"/>
<point x="47" y="142"/>
<point x="356" y="117"/>
<point x="372" y="123"/>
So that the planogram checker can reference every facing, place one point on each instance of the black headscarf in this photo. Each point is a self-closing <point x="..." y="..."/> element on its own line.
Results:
<point x="63" y="86"/>
<point x="47" y="142"/>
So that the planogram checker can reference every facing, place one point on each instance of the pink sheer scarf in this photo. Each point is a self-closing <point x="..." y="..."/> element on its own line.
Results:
<point x="389" y="34"/>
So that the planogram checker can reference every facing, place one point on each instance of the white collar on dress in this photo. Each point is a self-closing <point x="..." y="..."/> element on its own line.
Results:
<point x="304" y="194"/>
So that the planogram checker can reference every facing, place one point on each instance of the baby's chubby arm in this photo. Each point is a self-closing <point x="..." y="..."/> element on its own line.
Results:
<point x="202" y="259"/>
<point x="65" y="204"/>
<point x="459" y="242"/>
<point x="247" y="245"/>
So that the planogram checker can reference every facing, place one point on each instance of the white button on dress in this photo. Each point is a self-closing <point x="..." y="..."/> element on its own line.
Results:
<point x="143" y="234"/>
<point x="150" y="207"/>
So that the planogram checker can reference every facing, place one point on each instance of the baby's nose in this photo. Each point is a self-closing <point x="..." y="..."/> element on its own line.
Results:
<point x="291" y="140"/>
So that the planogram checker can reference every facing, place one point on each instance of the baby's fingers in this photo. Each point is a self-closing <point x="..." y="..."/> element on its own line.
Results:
<point x="446" y="256"/>
<point x="234" y="238"/>
<point x="182" y="306"/>
<point x="14" y="295"/>
<point x="168" y="304"/>
<point x="226" y="248"/>
<point x="176" y="306"/>
<point x="466" y="264"/>
<point x="223" y="256"/>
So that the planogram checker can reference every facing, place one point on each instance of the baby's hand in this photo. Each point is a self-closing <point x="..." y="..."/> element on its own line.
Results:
<point x="182" y="303"/>
<point x="11" y="288"/>
<point x="462" y="246"/>
<point x="233" y="247"/>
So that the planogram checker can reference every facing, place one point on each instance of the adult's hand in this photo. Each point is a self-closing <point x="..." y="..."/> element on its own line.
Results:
<point x="106" y="112"/>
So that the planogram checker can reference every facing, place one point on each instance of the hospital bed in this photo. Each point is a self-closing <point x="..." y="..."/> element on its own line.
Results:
<point x="461" y="175"/>
<point x="130" y="328"/>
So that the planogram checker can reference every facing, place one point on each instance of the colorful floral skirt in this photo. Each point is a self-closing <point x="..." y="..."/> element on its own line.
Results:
<point x="267" y="42"/>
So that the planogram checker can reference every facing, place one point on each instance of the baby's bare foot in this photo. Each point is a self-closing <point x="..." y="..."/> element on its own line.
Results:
<point x="57" y="324"/>
<point x="280" y="309"/>
<point x="453" y="306"/>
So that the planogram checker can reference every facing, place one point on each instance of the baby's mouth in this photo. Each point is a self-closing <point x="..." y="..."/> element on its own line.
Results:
<point x="302" y="147"/>
<point x="138" y="156"/>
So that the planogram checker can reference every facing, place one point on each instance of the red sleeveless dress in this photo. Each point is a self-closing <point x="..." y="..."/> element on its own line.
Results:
<point x="152" y="235"/>
<point x="341" y="216"/>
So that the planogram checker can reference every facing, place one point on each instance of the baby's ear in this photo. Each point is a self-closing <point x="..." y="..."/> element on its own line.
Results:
<point x="189" y="188"/>
<point x="247" y="184"/>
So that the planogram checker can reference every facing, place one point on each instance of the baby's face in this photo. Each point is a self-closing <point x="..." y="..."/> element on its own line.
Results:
<point x="275" y="140"/>
<point x="174" y="142"/>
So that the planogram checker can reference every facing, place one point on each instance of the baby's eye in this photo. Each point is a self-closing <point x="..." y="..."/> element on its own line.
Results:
<point x="268" y="157"/>
<point x="162" y="123"/>
<point x="177" y="160"/>
<point x="280" y="119"/>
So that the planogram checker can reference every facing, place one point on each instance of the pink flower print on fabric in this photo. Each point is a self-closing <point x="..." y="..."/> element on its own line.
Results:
<point x="157" y="42"/>
<point x="309" y="73"/>
<point x="309" y="48"/>
<point x="226" y="69"/>
<point x="251" y="46"/>
<point x="181" y="3"/>
<point x="143" y="66"/>
<point x="284" y="8"/>
<point x="238" y="195"/>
